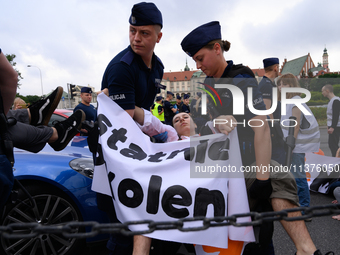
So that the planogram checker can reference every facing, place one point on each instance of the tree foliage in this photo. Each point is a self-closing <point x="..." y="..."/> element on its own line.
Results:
<point x="10" y="58"/>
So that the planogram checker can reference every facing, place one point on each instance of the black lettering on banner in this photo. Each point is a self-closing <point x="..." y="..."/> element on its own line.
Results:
<point x="153" y="194"/>
<point x="101" y="120"/>
<point x="111" y="176"/>
<point x="201" y="150"/>
<point x="138" y="195"/>
<point x="204" y="197"/>
<point x="117" y="135"/>
<point x="156" y="157"/>
<point x="134" y="152"/>
<point x="100" y="158"/>
<point x="219" y="150"/>
<point x="189" y="153"/>
<point x="169" y="200"/>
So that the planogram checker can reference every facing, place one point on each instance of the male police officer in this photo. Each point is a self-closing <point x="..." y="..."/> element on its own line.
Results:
<point x="133" y="76"/>
<point x="266" y="85"/>
<point x="87" y="107"/>
<point x="158" y="109"/>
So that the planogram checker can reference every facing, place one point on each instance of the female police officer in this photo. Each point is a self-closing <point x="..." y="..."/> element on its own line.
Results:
<point x="205" y="46"/>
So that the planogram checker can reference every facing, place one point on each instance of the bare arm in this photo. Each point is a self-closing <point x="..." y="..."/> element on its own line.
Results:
<point x="263" y="148"/>
<point x="268" y="103"/>
<point x="8" y="82"/>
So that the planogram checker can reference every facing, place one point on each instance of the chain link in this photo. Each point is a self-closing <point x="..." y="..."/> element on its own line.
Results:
<point x="77" y="230"/>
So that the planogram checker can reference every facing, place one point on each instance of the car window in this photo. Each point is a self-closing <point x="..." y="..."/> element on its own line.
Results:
<point x="68" y="113"/>
<point x="55" y="118"/>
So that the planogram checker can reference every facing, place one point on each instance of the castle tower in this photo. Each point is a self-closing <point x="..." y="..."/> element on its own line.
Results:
<point x="325" y="59"/>
<point x="186" y="68"/>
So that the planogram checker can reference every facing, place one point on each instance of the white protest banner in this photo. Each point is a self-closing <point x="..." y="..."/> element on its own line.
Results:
<point x="152" y="181"/>
<point x="320" y="171"/>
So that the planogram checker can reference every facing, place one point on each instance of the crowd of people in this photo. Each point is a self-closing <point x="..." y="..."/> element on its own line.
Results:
<point x="132" y="80"/>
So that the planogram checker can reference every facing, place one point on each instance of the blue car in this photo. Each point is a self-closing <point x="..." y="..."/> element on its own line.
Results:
<point x="60" y="185"/>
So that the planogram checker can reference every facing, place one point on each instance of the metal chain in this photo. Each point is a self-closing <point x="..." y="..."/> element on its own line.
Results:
<point x="76" y="229"/>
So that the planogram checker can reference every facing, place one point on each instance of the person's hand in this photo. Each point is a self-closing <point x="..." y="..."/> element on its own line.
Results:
<point x="161" y="138"/>
<point x="330" y="130"/>
<point x="228" y="123"/>
<point x="334" y="201"/>
<point x="105" y="91"/>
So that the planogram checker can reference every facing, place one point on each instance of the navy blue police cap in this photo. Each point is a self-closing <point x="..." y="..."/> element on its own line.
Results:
<point x="201" y="36"/>
<point x="169" y="93"/>
<point x="159" y="98"/>
<point x="199" y="94"/>
<point x="186" y="96"/>
<point x="86" y="90"/>
<point x="143" y="14"/>
<point x="179" y="97"/>
<point x="270" y="61"/>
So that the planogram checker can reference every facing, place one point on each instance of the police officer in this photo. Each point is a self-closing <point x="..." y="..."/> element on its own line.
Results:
<point x="133" y="78"/>
<point x="169" y="109"/>
<point x="158" y="109"/>
<point x="87" y="107"/>
<point x="266" y="85"/>
<point x="185" y="106"/>
<point x="205" y="46"/>
<point x="179" y="103"/>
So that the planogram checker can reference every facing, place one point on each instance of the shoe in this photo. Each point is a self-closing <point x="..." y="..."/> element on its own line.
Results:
<point x="67" y="129"/>
<point x="41" y="111"/>
<point x="318" y="252"/>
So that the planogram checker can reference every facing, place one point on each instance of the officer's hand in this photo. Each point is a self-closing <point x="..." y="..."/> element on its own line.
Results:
<point x="105" y="91"/>
<point x="225" y="124"/>
<point x="161" y="138"/>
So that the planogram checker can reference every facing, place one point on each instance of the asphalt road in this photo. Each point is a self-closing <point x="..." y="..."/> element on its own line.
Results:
<point x="324" y="230"/>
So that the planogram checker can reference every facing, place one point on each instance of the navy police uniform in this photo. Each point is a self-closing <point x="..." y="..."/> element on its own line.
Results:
<point x="168" y="113"/>
<point x="185" y="108"/>
<point x="242" y="77"/>
<point x="266" y="88"/>
<point x="90" y="110"/>
<point x="130" y="82"/>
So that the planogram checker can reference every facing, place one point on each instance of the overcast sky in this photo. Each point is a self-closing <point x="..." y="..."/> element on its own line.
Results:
<point x="73" y="41"/>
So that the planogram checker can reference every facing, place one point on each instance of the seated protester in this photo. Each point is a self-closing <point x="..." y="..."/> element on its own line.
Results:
<point x="185" y="106"/>
<point x="169" y="109"/>
<point x="158" y="109"/>
<point x="179" y="103"/>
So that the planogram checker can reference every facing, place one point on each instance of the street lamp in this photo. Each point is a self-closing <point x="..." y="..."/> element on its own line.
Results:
<point x="42" y="92"/>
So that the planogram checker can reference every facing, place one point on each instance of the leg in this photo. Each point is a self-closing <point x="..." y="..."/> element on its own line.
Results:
<point x="298" y="170"/>
<point x="296" y="230"/>
<point x="141" y="245"/>
<point x="333" y="141"/>
<point x="21" y="115"/>
<point x="336" y="193"/>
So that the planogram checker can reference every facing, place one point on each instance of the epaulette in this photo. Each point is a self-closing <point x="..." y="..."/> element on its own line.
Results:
<point x="128" y="57"/>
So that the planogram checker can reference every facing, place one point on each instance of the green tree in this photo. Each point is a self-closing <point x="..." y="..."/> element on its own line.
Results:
<point x="10" y="58"/>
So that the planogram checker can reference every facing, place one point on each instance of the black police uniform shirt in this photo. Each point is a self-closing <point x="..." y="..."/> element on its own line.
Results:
<point x="185" y="108"/>
<point x="130" y="82"/>
<point x="242" y="77"/>
<point x="266" y="88"/>
<point x="168" y="113"/>
<point x="89" y="110"/>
